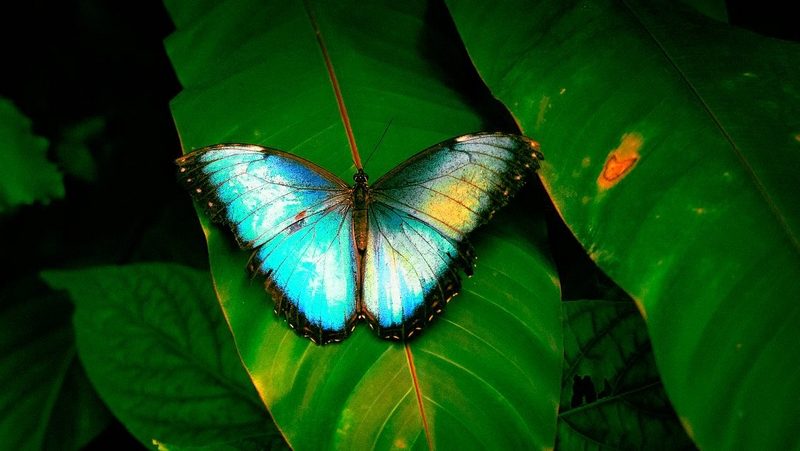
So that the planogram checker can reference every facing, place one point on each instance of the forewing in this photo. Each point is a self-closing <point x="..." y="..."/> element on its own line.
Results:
<point x="257" y="191"/>
<point x="457" y="185"/>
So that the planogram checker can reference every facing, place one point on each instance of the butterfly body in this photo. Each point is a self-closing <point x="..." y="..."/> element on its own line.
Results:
<point x="332" y="254"/>
<point x="360" y="201"/>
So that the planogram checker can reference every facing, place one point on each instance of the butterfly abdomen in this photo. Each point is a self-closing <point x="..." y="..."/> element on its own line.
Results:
<point x="360" y="219"/>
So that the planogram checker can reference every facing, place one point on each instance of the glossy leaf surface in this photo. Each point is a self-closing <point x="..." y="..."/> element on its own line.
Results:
<point x="47" y="401"/>
<point x="179" y="379"/>
<point x="674" y="152"/>
<point x="485" y="374"/>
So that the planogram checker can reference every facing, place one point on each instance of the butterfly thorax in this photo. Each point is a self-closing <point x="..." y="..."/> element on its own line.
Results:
<point x="360" y="201"/>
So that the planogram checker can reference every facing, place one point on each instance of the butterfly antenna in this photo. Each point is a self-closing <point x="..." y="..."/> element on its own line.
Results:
<point x="379" y="142"/>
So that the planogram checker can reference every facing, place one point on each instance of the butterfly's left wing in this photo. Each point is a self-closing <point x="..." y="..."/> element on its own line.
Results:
<point x="296" y="217"/>
<point x="419" y="218"/>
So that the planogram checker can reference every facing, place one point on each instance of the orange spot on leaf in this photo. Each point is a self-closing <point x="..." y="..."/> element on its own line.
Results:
<point x="620" y="161"/>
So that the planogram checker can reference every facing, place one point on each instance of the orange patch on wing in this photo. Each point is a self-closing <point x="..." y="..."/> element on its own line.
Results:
<point x="620" y="161"/>
<point x="299" y="222"/>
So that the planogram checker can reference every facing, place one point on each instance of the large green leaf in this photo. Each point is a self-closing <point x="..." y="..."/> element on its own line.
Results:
<point x="611" y="394"/>
<point x="47" y="401"/>
<point x="673" y="157"/>
<point x="487" y="373"/>
<point x="161" y="356"/>
<point x="25" y="174"/>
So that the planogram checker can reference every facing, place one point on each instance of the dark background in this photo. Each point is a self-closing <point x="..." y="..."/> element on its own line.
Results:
<point x="70" y="63"/>
<point x="96" y="74"/>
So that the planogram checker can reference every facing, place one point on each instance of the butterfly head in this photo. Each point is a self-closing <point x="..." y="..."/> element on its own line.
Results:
<point x="361" y="178"/>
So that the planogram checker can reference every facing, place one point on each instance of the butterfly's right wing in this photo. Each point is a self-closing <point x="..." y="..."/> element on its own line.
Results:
<point x="297" y="219"/>
<point x="420" y="216"/>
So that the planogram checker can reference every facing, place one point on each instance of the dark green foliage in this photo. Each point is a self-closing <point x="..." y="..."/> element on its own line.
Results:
<point x="26" y="175"/>
<point x="179" y="379"/>
<point x="611" y="394"/>
<point x="48" y="402"/>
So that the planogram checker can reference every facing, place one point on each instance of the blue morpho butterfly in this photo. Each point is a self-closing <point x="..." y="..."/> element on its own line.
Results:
<point x="387" y="252"/>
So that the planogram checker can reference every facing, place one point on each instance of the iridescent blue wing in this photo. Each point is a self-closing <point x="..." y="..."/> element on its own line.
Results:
<point x="410" y="271"/>
<point x="419" y="217"/>
<point x="297" y="219"/>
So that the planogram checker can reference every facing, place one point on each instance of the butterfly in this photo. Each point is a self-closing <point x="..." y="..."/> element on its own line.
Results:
<point x="333" y="254"/>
